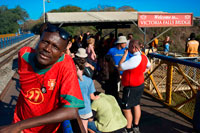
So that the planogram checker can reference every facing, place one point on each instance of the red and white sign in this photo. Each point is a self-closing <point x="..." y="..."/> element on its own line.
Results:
<point x="165" y="19"/>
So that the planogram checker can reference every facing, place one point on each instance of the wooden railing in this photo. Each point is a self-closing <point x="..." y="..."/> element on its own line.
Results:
<point x="174" y="82"/>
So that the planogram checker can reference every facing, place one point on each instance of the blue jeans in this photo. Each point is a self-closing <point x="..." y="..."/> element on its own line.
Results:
<point x="196" y="117"/>
<point x="67" y="128"/>
<point x="92" y="126"/>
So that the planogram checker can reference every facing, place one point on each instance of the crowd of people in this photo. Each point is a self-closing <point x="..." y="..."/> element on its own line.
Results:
<point x="114" y="60"/>
<point x="57" y="84"/>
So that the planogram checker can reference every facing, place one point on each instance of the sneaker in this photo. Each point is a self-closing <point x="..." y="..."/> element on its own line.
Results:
<point x="136" y="130"/>
<point x="126" y="131"/>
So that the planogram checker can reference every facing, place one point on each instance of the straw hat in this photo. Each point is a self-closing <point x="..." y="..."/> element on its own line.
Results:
<point x="81" y="53"/>
<point x="121" y="39"/>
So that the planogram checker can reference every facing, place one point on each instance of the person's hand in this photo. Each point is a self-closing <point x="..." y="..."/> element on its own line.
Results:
<point x="87" y="64"/>
<point x="126" y="52"/>
<point x="69" y="45"/>
<point x="10" y="129"/>
<point x="72" y="55"/>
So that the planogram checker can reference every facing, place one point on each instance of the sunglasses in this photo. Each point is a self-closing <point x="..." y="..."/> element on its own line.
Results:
<point x="52" y="28"/>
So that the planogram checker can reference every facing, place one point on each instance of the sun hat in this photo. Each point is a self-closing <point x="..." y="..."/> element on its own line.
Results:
<point x="81" y="53"/>
<point x="121" y="39"/>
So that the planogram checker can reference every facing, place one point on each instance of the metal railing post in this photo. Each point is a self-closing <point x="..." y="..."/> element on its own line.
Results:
<point x="1" y="44"/>
<point x="169" y="83"/>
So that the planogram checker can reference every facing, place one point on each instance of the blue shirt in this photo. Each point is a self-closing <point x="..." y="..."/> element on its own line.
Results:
<point x="116" y="55"/>
<point x="87" y="87"/>
<point x="166" y="47"/>
<point x="129" y="55"/>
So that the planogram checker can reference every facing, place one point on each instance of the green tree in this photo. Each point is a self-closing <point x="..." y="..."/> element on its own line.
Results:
<point x="126" y="8"/>
<point x="103" y="8"/>
<point x="10" y="19"/>
<point x="68" y="8"/>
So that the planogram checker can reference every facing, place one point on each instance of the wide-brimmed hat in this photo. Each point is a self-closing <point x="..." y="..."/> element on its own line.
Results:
<point x="81" y="53"/>
<point x="121" y="39"/>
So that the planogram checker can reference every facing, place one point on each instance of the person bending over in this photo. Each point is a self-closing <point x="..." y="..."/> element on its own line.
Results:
<point x="108" y="116"/>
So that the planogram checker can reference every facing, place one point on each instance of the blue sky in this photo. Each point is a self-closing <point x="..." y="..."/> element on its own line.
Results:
<point x="35" y="7"/>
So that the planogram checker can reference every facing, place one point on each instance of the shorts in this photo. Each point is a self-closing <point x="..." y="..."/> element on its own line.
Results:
<point x="86" y="116"/>
<point x="131" y="96"/>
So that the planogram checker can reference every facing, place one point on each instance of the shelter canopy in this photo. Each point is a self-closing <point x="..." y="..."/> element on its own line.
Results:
<point x="92" y="18"/>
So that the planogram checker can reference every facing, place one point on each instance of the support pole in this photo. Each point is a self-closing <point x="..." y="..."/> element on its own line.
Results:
<point x="145" y="30"/>
<point x="44" y="9"/>
<point x="169" y="83"/>
<point x="116" y="33"/>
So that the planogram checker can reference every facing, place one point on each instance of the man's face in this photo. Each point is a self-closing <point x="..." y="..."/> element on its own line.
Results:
<point x="123" y="45"/>
<point x="50" y="48"/>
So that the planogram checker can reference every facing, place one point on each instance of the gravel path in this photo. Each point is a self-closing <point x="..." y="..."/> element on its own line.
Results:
<point x="7" y="71"/>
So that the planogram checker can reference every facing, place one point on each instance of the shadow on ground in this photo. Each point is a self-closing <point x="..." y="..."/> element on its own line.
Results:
<point x="150" y="123"/>
<point x="7" y="111"/>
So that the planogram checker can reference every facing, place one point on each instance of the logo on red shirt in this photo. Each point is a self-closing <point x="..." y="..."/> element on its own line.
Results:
<point x="35" y="96"/>
<point x="51" y="83"/>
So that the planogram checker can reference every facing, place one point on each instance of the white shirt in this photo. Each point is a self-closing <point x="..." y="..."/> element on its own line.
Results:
<point x="134" y="61"/>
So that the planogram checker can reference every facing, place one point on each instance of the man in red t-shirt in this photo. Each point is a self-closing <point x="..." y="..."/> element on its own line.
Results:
<point x="50" y="91"/>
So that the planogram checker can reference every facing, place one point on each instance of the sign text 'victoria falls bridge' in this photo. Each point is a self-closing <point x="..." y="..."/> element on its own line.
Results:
<point x="165" y="20"/>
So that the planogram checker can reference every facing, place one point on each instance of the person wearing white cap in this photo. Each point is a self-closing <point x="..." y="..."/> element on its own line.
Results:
<point x="118" y="51"/>
<point x="81" y="53"/>
<point x="89" y="69"/>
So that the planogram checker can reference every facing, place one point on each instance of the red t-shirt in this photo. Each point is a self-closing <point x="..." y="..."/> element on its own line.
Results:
<point x="61" y="83"/>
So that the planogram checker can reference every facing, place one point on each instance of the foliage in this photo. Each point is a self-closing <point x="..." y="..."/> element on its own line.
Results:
<point x="126" y="8"/>
<point x="11" y="18"/>
<point x="111" y="8"/>
<point x="36" y="27"/>
<point x="77" y="30"/>
<point x="103" y="8"/>
<point x="198" y="37"/>
<point x="29" y="24"/>
<point x="68" y="8"/>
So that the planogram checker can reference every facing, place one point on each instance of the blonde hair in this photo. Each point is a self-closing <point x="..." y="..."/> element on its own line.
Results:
<point x="91" y="41"/>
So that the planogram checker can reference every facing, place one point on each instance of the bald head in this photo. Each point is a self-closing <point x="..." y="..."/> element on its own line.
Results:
<point x="134" y="43"/>
<point x="134" y="46"/>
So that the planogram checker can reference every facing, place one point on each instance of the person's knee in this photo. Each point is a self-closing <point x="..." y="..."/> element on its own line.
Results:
<point x="137" y="107"/>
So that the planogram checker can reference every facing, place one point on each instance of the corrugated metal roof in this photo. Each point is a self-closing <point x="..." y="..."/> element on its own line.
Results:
<point x="91" y="17"/>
